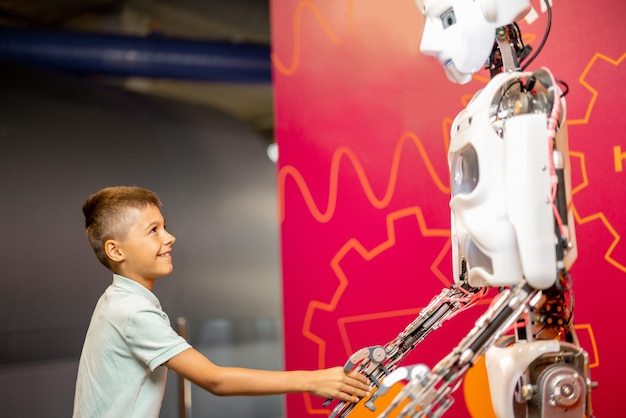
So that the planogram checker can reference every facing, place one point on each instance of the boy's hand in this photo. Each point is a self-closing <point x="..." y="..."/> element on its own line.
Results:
<point x="338" y="384"/>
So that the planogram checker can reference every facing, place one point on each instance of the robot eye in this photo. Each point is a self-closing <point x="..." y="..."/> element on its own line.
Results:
<point x="448" y="18"/>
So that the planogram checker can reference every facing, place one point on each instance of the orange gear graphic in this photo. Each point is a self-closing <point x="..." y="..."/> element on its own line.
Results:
<point x="392" y="312"/>
<point x="600" y="178"/>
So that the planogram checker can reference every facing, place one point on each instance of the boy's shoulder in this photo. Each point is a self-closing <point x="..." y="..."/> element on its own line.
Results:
<point x="126" y="296"/>
<point x="130" y="312"/>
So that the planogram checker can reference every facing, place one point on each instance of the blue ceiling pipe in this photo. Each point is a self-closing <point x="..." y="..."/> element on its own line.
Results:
<point x="152" y="56"/>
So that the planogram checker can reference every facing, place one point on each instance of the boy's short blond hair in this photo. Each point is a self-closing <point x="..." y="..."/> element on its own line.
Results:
<point x="106" y="214"/>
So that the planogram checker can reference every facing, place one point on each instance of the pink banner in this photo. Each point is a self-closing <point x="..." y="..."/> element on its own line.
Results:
<point x="362" y="121"/>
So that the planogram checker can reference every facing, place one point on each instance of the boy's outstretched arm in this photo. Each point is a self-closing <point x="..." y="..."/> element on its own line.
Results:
<point x="227" y="381"/>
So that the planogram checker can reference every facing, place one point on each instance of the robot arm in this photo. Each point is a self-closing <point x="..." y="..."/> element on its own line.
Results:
<point x="378" y="363"/>
<point x="429" y="392"/>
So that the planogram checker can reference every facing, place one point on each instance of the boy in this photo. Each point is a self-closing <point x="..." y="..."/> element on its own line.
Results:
<point x="130" y="337"/>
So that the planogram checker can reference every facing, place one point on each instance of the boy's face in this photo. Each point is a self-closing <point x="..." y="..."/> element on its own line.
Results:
<point x="145" y="253"/>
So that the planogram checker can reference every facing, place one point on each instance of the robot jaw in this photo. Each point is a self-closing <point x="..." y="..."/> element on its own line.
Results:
<point x="455" y="75"/>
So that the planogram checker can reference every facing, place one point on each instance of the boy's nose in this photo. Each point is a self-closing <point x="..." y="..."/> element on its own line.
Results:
<point x="170" y="239"/>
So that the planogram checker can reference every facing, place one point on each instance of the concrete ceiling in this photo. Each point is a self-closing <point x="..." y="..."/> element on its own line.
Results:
<point x="239" y="21"/>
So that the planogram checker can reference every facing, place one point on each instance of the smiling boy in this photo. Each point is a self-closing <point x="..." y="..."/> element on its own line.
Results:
<point x="130" y="339"/>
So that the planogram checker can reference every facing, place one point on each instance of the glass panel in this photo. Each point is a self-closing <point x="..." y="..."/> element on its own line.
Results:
<point x="464" y="170"/>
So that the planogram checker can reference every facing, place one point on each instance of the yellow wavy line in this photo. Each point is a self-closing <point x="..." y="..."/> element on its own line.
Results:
<point x="342" y="151"/>
<point x="297" y="23"/>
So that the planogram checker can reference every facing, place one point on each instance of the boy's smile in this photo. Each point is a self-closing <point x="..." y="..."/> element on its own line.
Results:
<point x="146" y="252"/>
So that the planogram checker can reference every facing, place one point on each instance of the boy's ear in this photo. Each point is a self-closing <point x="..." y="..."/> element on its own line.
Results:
<point x="113" y="250"/>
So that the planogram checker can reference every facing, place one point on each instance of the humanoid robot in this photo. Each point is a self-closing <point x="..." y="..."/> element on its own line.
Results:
<point x="512" y="229"/>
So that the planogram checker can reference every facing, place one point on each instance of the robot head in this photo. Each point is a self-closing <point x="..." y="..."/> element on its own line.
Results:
<point x="461" y="33"/>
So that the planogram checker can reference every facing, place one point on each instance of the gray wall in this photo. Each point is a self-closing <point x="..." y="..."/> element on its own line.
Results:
<point x="61" y="140"/>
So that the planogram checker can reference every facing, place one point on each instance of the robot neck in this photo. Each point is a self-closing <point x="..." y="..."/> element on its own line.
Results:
<point x="508" y="50"/>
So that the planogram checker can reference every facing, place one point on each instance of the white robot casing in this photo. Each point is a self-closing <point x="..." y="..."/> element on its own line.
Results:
<point x="502" y="219"/>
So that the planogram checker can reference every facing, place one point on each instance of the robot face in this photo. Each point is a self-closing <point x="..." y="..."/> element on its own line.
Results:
<point x="458" y="35"/>
<point x="461" y="33"/>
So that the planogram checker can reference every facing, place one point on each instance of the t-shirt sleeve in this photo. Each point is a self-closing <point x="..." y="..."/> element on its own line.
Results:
<point x="152" y="339"/>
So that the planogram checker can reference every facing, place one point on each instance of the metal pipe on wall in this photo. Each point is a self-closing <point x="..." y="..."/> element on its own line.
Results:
<point x="152" y="56"/>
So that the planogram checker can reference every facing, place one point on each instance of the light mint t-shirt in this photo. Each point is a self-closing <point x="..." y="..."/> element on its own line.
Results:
<point x="129" y="338"/>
